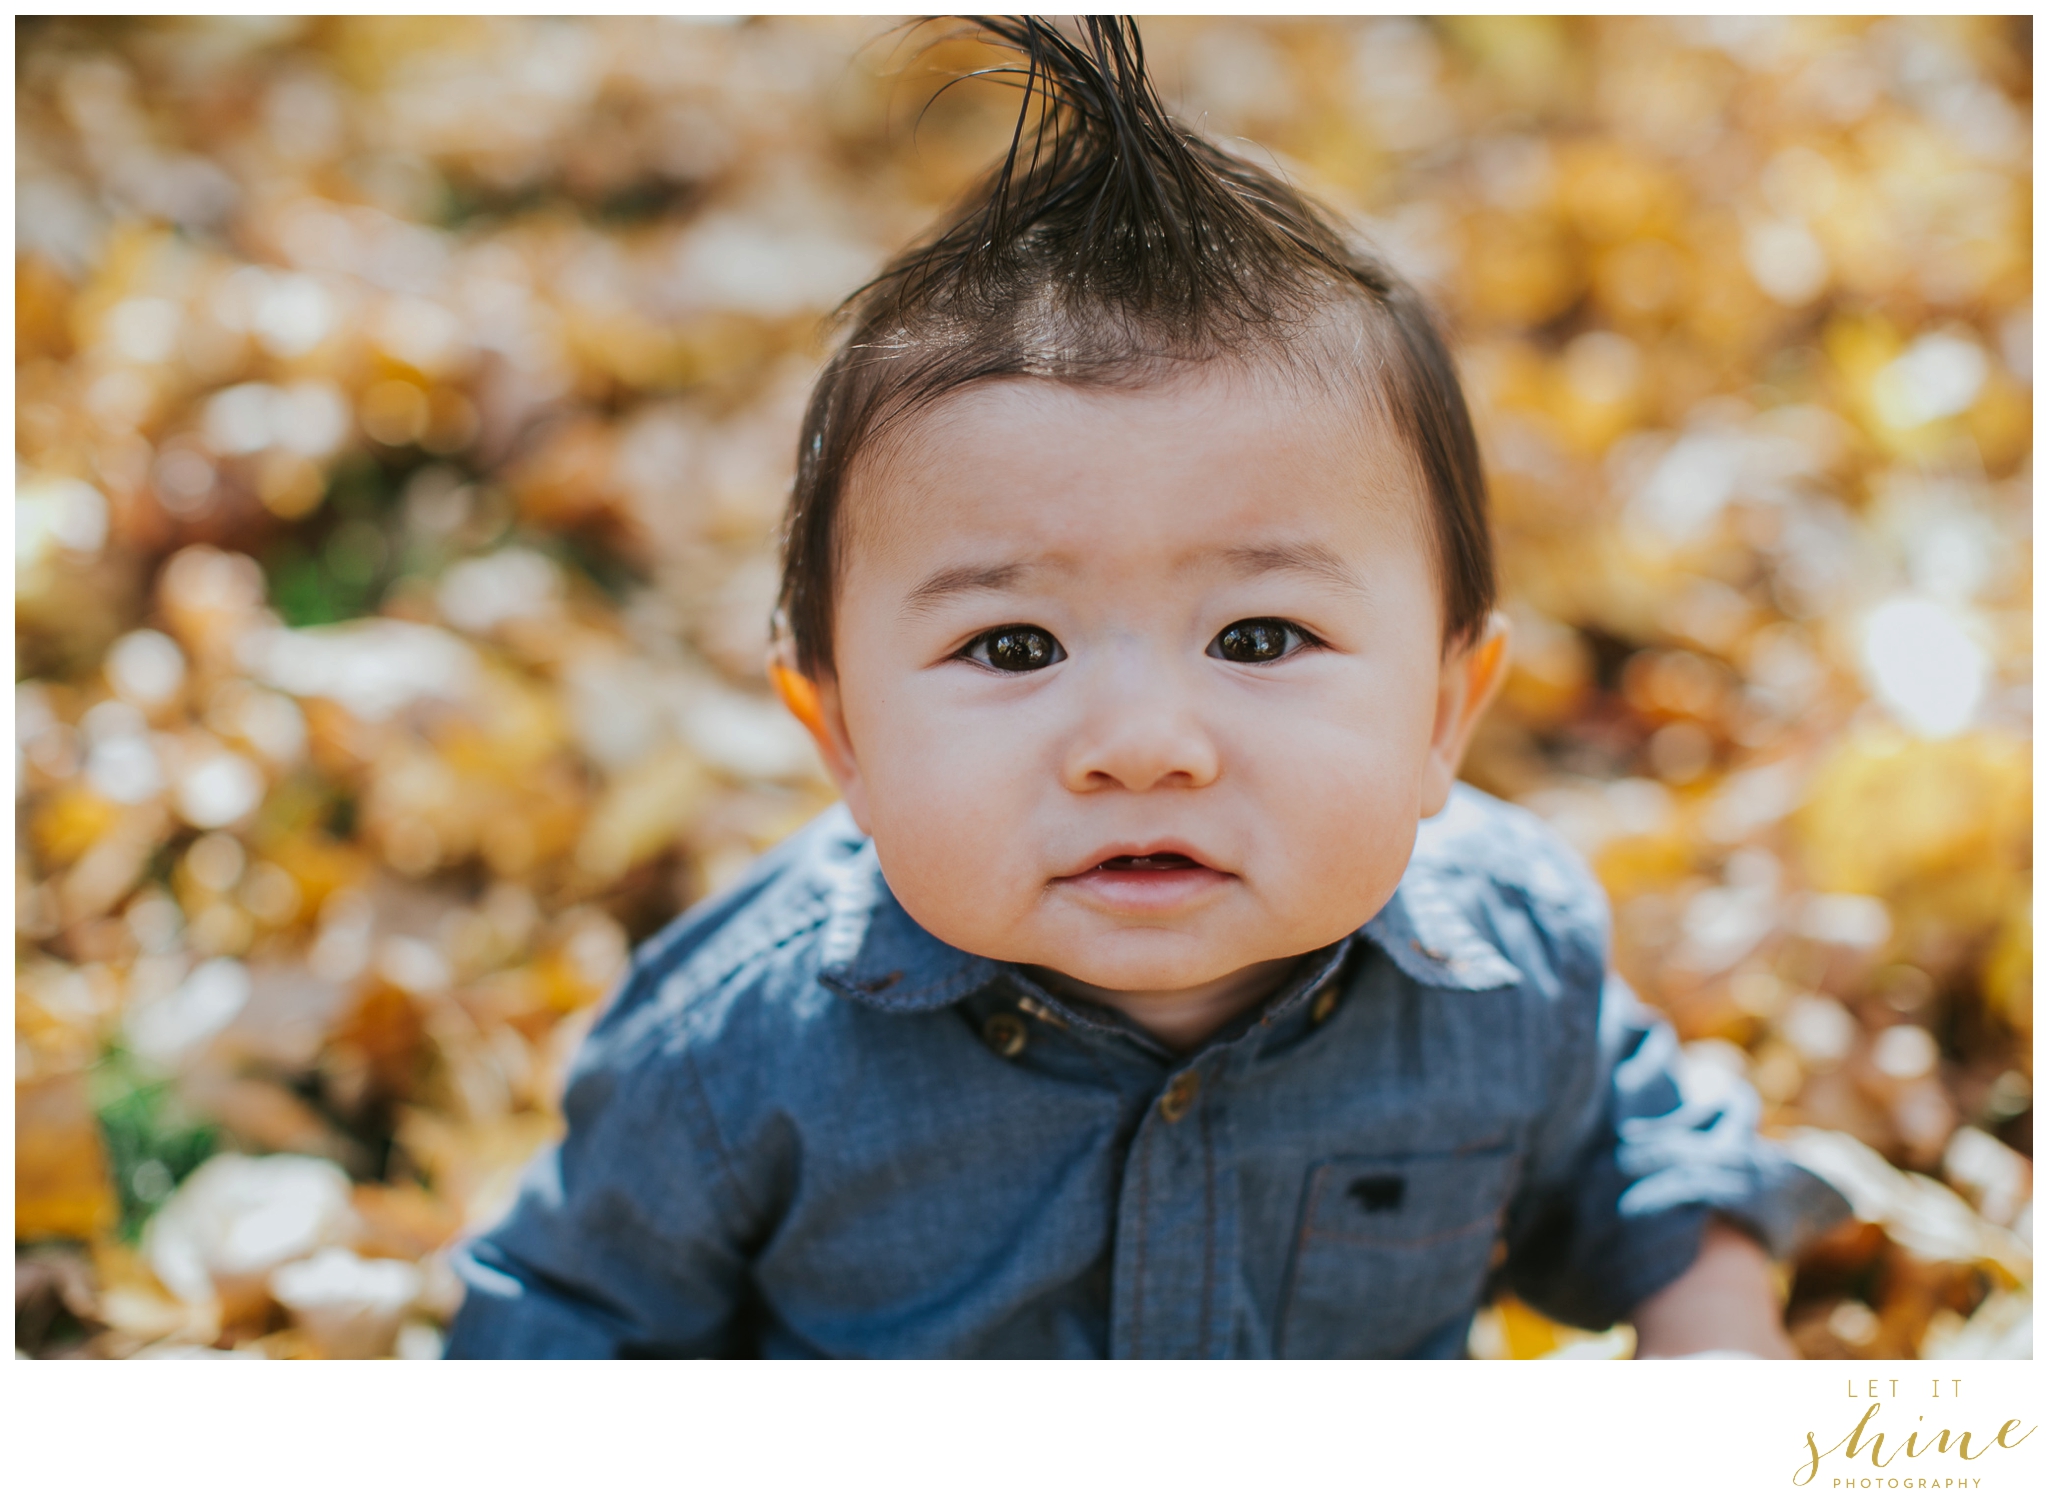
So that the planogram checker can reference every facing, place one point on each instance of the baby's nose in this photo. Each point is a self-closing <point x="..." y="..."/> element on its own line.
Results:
<point x="1142" y="731"/>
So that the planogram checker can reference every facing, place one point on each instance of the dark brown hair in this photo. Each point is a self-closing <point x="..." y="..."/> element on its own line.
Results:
<point x="1109" y="246"/>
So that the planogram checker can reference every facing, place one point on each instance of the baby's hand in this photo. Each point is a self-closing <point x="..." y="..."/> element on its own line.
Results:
<point x="1724" y="1307"/>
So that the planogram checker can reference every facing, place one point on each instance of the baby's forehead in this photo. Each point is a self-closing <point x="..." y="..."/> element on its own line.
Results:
<point x="1242" y="450"/>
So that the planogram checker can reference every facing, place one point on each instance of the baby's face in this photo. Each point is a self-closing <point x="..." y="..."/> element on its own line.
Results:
<point x="1145" y="686"/>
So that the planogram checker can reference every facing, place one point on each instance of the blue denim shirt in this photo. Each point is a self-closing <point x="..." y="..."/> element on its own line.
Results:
<point x="806" y="1126"/>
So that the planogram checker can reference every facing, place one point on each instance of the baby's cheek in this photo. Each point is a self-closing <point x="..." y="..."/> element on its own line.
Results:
<point x="1341" y="826"/>
<point x="950" y="828"/>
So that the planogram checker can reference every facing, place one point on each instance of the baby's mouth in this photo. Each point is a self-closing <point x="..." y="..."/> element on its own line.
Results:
<point x="1142" y="863"/>
<point x="1152" y="884"/>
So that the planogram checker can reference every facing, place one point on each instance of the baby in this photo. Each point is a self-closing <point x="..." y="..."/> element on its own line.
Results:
<point x="1155" y="991"/>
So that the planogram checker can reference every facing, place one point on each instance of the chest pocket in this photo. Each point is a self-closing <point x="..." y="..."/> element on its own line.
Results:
<point x="1391" y="1248"/>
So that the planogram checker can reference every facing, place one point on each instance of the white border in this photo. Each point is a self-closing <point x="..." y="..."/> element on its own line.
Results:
<point x="1680" y="1429"/>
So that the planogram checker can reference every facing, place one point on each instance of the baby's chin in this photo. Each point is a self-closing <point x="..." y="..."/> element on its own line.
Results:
<point x="1136" y="957"/>
<point x="1144" y="961"/>
<point x="1183" y="951"/>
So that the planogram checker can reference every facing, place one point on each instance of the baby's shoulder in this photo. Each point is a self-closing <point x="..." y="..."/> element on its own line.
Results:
<point x="740" y="969"/>
<point x="1480" y="835"/>
<point x="1508" y="874"/>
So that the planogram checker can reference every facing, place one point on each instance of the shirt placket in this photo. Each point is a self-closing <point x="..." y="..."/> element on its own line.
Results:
<point x="1177" y="1225"/>
<point x="1173" y="1286"/>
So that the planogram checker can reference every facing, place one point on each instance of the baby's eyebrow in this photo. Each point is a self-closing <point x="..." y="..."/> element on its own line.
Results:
<point x="947" y="582"/>
<point x="1248" y="561"/>
<point x="1292" y="557"/>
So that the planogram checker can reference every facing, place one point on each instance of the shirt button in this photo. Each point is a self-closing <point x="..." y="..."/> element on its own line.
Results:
<point x="1178" y="1096"/>
<point x="1324" y="1006"/>
<point x="1004" y="1034"/>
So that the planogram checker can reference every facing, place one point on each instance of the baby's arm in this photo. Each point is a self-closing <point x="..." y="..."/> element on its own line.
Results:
<point x="617" y="1244"/>
<point x="614" y="1247"/>
<point x="1726" y="1303"/>
<point x="1639" y="1179"/>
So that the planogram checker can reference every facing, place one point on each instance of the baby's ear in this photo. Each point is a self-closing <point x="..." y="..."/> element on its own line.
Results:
<point x="1470" y="677"/>
<point x="798" y="693"/>
<point x="815" y="705"/>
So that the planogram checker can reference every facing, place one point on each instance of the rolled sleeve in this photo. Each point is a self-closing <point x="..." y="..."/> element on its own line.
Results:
<point x="1639" y="1149"/>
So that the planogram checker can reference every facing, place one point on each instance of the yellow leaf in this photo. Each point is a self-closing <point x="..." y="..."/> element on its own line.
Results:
<point x="61" y="1186"/>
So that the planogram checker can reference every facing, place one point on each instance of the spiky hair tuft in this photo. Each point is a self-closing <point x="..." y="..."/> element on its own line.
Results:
<point x="1103" y="196"/>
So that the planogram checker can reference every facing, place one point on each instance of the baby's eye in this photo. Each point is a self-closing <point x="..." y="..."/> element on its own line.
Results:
<point x="1014" y="648"/>
<point x="1258" y="640"/>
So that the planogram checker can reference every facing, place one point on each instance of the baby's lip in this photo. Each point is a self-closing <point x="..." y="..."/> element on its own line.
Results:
<point x="1148" y="882"/>
<point x="1157" y="856"/>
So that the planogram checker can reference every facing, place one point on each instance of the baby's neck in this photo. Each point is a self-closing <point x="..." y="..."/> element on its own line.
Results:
<point x="1183" y="1019"/>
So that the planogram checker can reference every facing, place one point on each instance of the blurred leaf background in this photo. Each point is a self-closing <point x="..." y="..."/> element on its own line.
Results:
<point x="404" y="412"/>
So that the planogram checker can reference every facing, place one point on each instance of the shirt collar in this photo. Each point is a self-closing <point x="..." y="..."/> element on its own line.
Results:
<point x="1427" y="927"/>
<point x="875" y="953"/>
<point x="1433" y="942"/>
